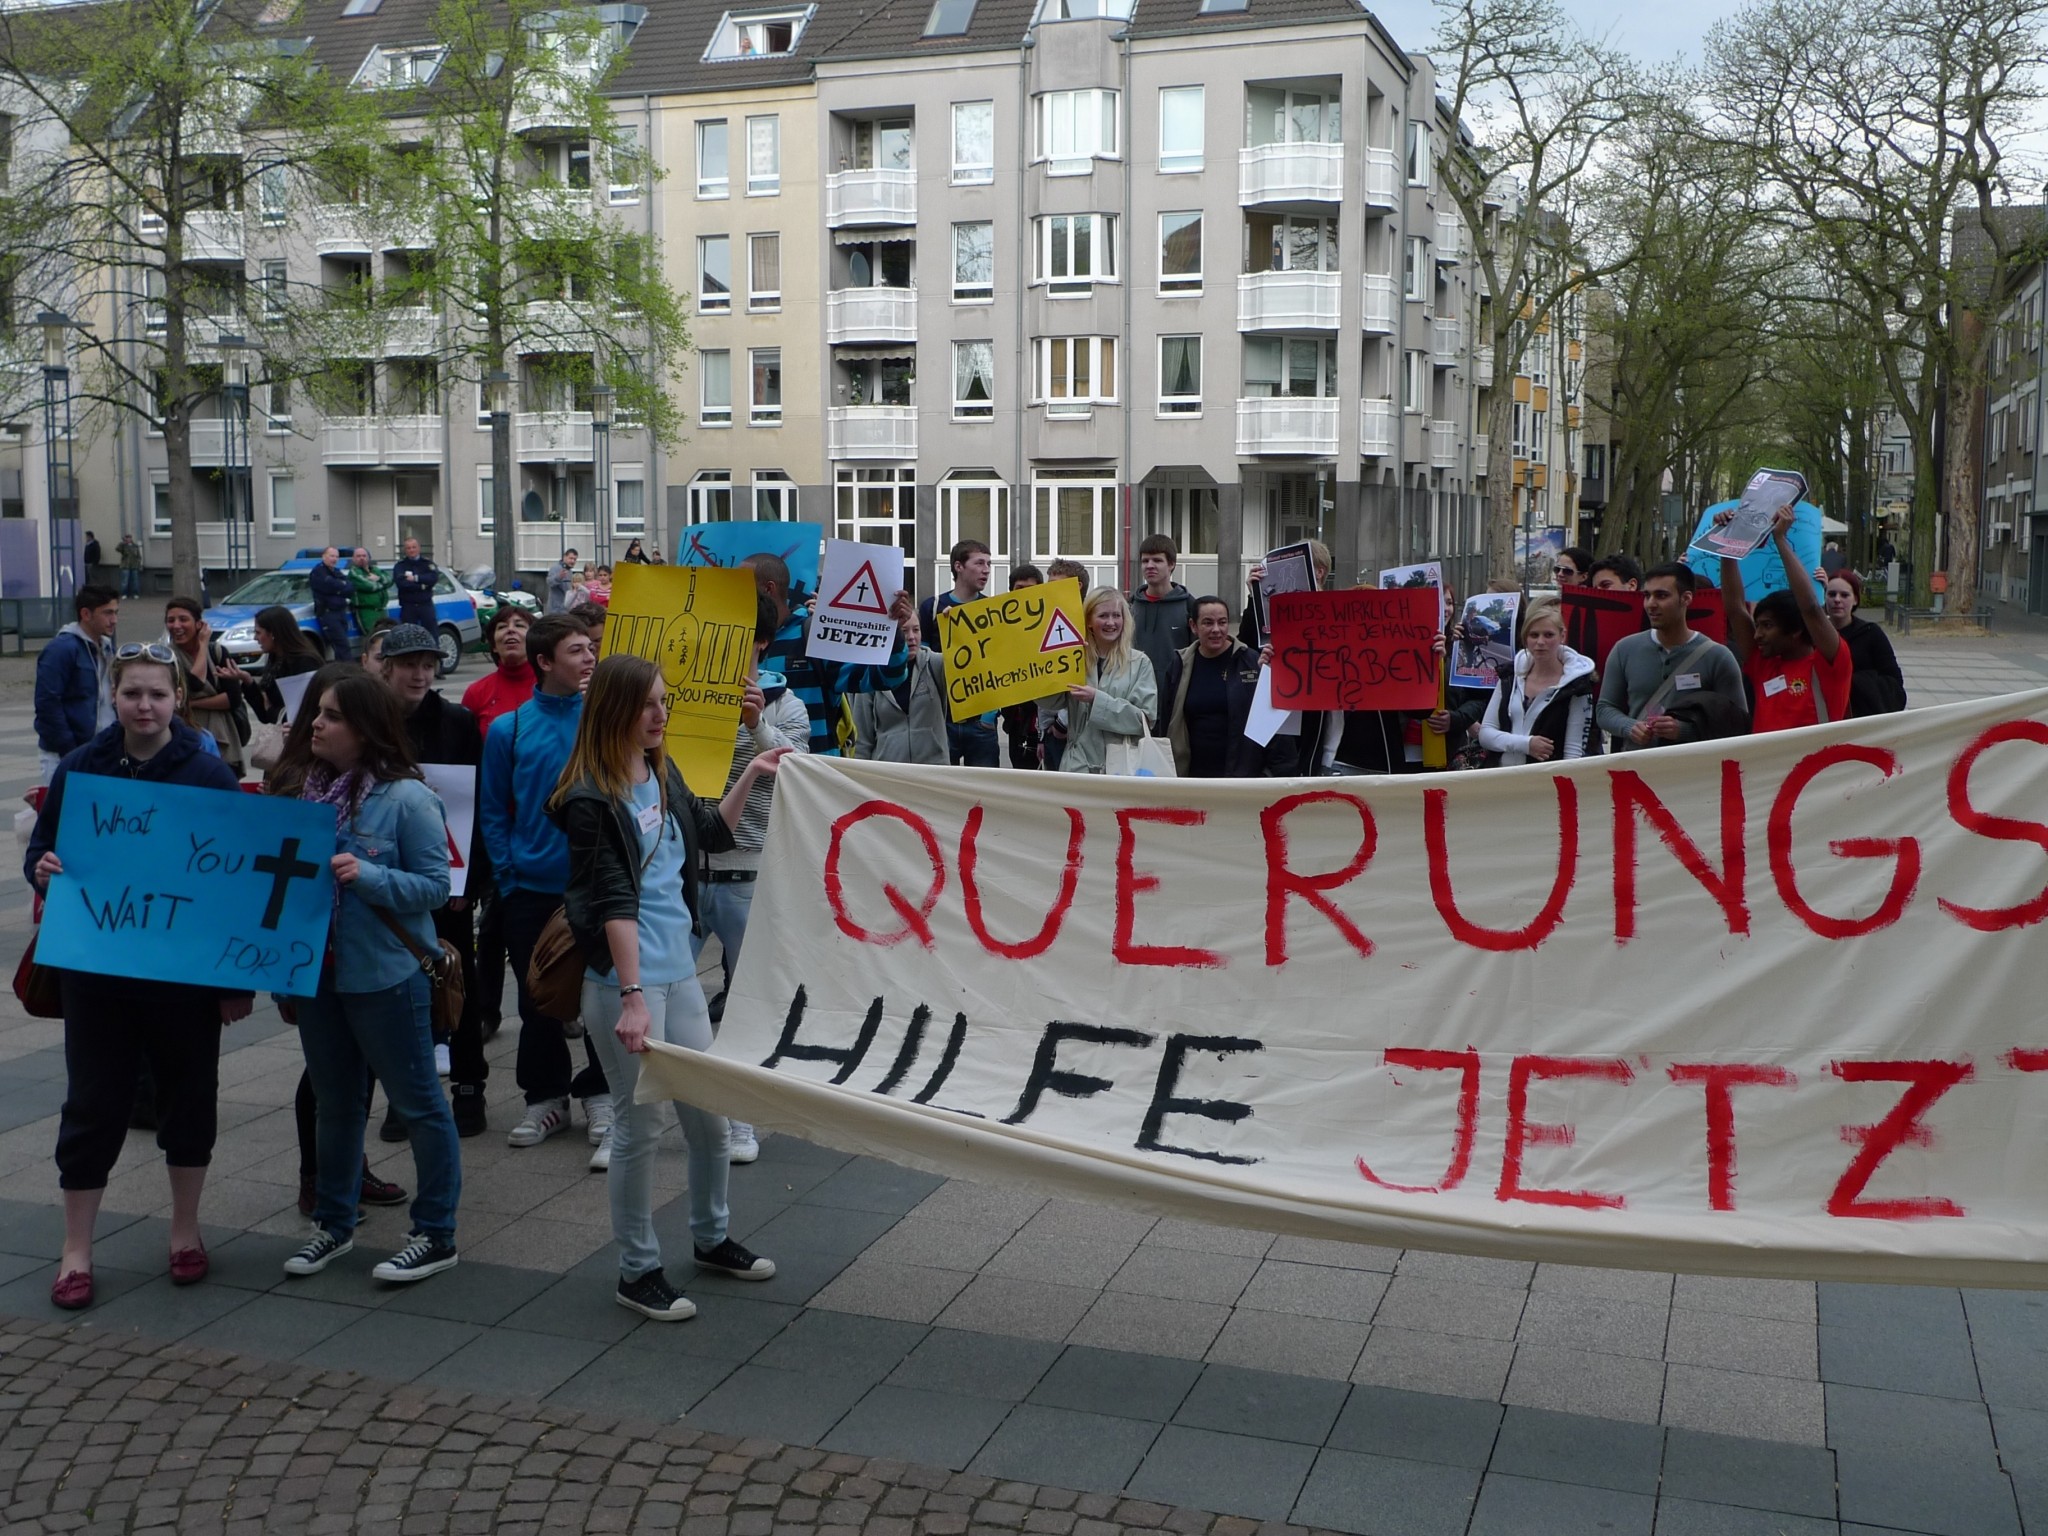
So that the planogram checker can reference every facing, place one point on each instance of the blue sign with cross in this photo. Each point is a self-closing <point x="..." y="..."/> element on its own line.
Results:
<point x="168" y="883"/>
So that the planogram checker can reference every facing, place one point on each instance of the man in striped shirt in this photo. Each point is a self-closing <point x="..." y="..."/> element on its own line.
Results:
<point x="822" y="685"/>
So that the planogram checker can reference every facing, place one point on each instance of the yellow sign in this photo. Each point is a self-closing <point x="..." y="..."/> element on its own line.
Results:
<point x="697" y="624"/>
<point x="1014" y="648"/>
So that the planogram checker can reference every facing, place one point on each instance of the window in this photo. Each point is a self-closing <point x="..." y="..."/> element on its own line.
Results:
<point x="757" y="34"/>
<point x="974" y="141"/>
<point x="275" y="277"/>
<point x="160" y="509"/>
<point x="629" y="500"/>
<point x="710" y="496"/>
<point x="1217" y="8"/>
<point x="483" y="500"/>
<point x="399" y="68"/>
<point x="1418" y="155"/>
<point x="713" y="180"/>
<point x="1074" y="127"/>
<point x="1180" y="129"/>
<point x="1180" y="375"/>
<point x="1416" y="272"/>
<point x="764" y="156"/>
<point x="764" y="272"/>
<point x="628" y="166"/>
<point x="714" y="376"/>
<point x="1277" y="116"/>
<point x="974" y="504"/>
<point x="974" y="262"/>
<point x="1294" y="367"/>
<point x="1076" y="372"/>
<point x="360" y="7"/>
<point x="881" y="145"/>
<point x="1415" y="381"/>
<point x="974" y="380"/>
<point x="949" y="18"/>
<point x="774" y="497"/>
<point x="1086" y="10"/>
<point x="1074" y="515"/>
<point x="1180" y="253"/>
<point x="1075" y="250"/>
<point x="284" y="504"/>
<point x="278" y="412"/>
<point x="714" y="274"/>
<point x="877" y="505"/>
<point x="1289" y="243"/>
<point x="764" y="368"/>
<point x="271" y="186"/>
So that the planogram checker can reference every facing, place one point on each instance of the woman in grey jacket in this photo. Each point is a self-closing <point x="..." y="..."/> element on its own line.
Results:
<point x="1120" y="700"/>
<point x="907" y="724"/>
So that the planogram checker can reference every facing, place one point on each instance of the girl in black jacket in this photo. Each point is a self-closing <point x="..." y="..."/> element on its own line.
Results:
<point x="635" y="833"/>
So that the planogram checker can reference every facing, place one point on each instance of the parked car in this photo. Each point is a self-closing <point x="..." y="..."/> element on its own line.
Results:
<point x="233" y="618"/>
<point x="482" y="586"/>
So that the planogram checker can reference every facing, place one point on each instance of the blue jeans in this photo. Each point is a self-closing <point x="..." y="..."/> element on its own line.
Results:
<point x="131" y="583"/>
<point x="678" y="1018"/>
<point x="973" y="745"/>
<point x="345" y="1033"/>
<point x="722" y="908"/>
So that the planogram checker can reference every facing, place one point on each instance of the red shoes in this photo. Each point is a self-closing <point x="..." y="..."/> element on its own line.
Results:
<point x="73" y="1291"/>
<point x="189" y="1266"/>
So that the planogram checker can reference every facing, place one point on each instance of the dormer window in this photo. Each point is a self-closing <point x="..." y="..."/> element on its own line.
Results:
<point x="758" y="34"/>
<point x="360" y="7"/>
<point x="399" y="68"/>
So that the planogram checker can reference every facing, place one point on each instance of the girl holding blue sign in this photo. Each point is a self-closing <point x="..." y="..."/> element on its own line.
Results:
<point x="112" y="1023"/>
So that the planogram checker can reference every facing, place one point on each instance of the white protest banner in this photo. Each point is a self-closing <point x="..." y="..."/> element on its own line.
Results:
<point x="1767" y="1006"/>
<point x="455" y="783"/>
<point x="855" y="587"/>
<point x="292" y="690"/>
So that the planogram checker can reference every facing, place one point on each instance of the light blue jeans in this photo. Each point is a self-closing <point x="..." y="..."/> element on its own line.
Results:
<point x="722" y="908"/>
<point x="677" y="1017"/>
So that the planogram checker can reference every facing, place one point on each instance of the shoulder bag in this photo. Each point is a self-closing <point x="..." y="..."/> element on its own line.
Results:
<point x="443" y="969"/>
<point x="554" y="972"/>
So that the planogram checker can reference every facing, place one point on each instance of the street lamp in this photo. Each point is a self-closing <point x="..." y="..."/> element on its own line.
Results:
<point x="237" y="459"/>
<point x="498" y="401"/>
<point x="601" y="402"/>
<point x="60" y="484"/>
<point x="561" y="509"/>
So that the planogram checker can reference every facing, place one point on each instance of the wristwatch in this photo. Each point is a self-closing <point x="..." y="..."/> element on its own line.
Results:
<point x="629" y="991"/>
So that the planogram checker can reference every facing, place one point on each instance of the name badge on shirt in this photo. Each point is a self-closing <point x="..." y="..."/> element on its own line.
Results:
<point x="1685" y="682"/>
<point x="1773" y="687"/>
<point x="650" y="817"/>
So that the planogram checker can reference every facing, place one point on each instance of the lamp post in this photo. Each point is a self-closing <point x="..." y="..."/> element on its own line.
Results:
<point x="60" y="482"/>
<point x="561" y="508"/>
<point x="601" y="402"/>
<point x="237" y="463"/>
<point x="498" y="401"/>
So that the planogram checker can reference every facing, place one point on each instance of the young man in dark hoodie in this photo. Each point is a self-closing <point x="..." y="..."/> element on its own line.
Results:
<point x="1162" y="609"/>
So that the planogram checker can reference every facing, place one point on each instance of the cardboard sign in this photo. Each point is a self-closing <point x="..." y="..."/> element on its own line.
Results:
<point x="1488" y="644"/>
<point x="165" y="882"/>
<point x="1762" y="570"/>
<point x="1428" y="574"/>
<point x="1355" y="650"/>
<point x="850" y="621"/>
<point x="1595" y="621"/>
<point x="1290" y="568"/>
<point x="797" y="545"/>
<point x="697" y="625"/>
<point x="1768" y="493"/>
<point x="1263" y="722"/>
<point x="1013" y="648"/>
<point x="455" y="783"/>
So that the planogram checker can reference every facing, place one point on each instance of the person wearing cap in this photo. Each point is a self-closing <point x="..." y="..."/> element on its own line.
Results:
<point x="441" y="732"/>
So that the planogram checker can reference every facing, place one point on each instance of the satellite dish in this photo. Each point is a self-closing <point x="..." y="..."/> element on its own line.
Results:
<point x="531" y="509"/>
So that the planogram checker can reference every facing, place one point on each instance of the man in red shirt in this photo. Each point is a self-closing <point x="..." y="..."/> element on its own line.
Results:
<point x="510" y="683"/>
<point x="1790" y="652"/>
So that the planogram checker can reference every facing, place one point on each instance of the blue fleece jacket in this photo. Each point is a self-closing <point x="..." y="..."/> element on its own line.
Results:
<point x="523" y="757"/>
<point x="68" y="691"/>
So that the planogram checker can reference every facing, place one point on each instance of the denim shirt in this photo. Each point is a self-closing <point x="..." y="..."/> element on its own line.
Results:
<point x="399" y="835"/>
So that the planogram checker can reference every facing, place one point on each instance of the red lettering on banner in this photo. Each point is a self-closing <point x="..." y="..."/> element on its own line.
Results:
<point x="2022" y="1060"/>
<point x="1632" y="796"/>
<point x="1928" y="1081"/>
<point x="1905" y="851"/>
<point x="1998" y="828"/>
<point x="1282" y="882"/>
<point x="970" y="890"/>
<point x="1720" y="1079"/>
<point x="1523" y="1133"/>
<point x="1435" y="814"/>
<point x="1130" y="885"/>
<point x="1465" y="1062"/>
<point x="917" y="919"/>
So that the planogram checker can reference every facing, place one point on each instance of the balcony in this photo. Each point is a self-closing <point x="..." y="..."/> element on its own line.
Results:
<point x="1443" y="445"/>
<point x="871" y="432"/>
<point x="1288" y="301"/>
<point x="1382" y="181"/>
<point x="1380" y="299"/>
<point x="411" y="333"/>
<point x="1481" y="445"/>
<point x="1446" y="342"/>
<point x="209" y="443"/>
<point x="1290" y="173"/>
<point x="1287" y="425"/>
<point x="552" y="208"/>
<point x="540" y="545"/>
<point x="854" y="315"/>
<point x="857" y="198"/>
<point x="370" y="442"/>
<point x="554" y="325"/>
<point x="1450" y="236"/>
<point x="342" y="229"/>
<point x="1375" y="428"/>
<point x="553" y="435"/>
<point x="1482" y="362"/>
<point x="213" y="235"/>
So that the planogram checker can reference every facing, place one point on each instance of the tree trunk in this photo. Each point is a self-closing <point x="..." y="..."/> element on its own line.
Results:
<point x="1960" y="478"/>
<point x="1501" y="564"/>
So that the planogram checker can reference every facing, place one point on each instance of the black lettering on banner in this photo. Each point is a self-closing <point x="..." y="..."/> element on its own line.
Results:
<point x="913" y="1039"/>
<point x="1164" y="1102"/>
<point x="849" y="1057"/>
<point x="948" y="1059"/>
<point x="1069" y="1085"/>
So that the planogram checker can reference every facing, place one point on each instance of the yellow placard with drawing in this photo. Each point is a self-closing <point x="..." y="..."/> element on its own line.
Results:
<point x="697" y="624"/>
<point x="1013" y="648"/>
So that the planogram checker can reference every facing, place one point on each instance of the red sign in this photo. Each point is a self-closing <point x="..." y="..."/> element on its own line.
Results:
<point x="1355" y="650"/>
<point x="1595" y="620"/>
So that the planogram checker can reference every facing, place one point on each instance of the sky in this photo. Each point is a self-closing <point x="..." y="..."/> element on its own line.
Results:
<point x="1652" y="30"/>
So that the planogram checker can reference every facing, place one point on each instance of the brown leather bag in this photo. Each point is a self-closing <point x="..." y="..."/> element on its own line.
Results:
<point x="443" y="967"/>
<point x="554" y="975"/>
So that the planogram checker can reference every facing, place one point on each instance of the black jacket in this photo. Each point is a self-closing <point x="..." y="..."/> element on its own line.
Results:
<point x="1246" y="759"/>
<point x="269" y="700"/>
<point x="1877" y="686"/>
<point x="604" y="858"/>
<point x="331" y="591"/>
<point x="441" y="732"/>
<point x="413" y="577"/>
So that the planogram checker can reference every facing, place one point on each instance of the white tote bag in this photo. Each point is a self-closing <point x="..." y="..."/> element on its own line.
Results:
<point x="1148" y="757"/>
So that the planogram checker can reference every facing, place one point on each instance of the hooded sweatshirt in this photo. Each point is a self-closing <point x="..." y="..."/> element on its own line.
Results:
<point x="72" y="700"/>
<point x="184" y="759"/>
<point x="1162" y="627"/>
<point x="523" y="757"/>
<point x="1563" y="712"/>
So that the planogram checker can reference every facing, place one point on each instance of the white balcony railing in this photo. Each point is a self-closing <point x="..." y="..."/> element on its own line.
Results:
<point x="1443" y="445"/>
<point x="553" y="435"/>
<point x="1480" y="446"/>
<point x="870" y="314"/>
<point x="1382" y="180"/>
<point x="366" y="442"/>
<point x="209" y="443"/>
<point x="1288" y="301"/>
<point x="1446" y="341"/>
<point x="1288" y="425"/>
<point x="1482" y="362"/>
<point x="871" y="432"/>
<point x="1380" y="299"/>
<point x="213" y="235"/>
<point x="1375" y="428"/>
<point x="870" y="197"/>
<point x="1450" y="235"/>
<point x="411" y="333"/>
<point x="342" y="229"/>
<point x="540" y="545"/>
<point x="1290" y="173"/>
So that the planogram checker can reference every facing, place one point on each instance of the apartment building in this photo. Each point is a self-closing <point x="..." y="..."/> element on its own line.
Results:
<point x="2013" y="518"/>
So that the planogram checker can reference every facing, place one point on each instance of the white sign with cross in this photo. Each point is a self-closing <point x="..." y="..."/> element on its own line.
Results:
<point x="856" y="584"/>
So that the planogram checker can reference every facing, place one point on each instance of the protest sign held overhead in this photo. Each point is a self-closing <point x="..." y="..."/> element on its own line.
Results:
<point x="1290" y="568"/>
<point x="1596" y="618"/>
<point x="797" y="545"/>
<point x="1428" y="574"/>
<point x="697" y="625"/>
<point x="1013" y="649"/>
<point x="851" y="621"/>
<point x="1527" y="1013"/>
<point x="455" y="783"/>
<point x="1487" y="643"/>
<point x="1360" y="649"/>
<point x="164" y="882"/>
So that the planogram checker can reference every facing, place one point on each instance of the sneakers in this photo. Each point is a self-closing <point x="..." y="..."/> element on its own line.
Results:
<point x="468" y="1102"/>
<point x="441" y="1060"/>
<point x="601" y="1159"/>
<point x="729" y="1258"/>
<point x="378" y="1191"/>
<point x="598" y="1115"/>
<point x="321" y="1250"/>
<point x="542" y="1121"/>
<point x="742" y="1145"/>
<point x="652" y="1296"/>
<point x="423" y="1255"/>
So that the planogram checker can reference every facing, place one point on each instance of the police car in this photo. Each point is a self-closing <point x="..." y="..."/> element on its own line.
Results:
<point x="233" y="618"/>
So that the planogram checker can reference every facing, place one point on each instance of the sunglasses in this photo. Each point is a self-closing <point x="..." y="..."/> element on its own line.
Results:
<point x="155" y="650"/>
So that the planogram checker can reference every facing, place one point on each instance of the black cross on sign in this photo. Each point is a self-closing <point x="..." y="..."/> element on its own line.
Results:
<point x="283" y="867"/>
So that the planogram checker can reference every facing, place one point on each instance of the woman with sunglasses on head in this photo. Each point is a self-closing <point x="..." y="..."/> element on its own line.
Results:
<point x="111" y="1023"/>
<point x="635" y="835"/>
